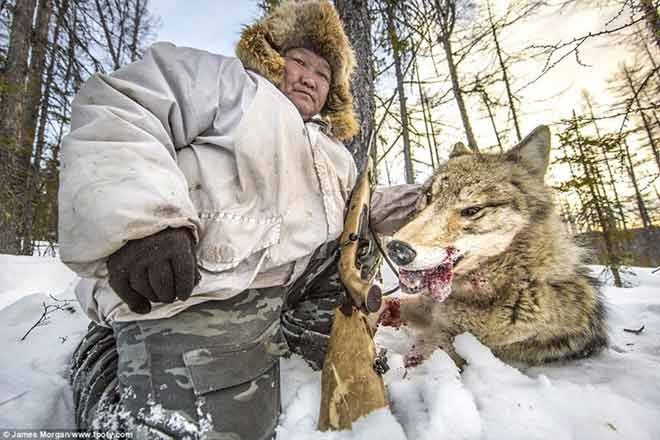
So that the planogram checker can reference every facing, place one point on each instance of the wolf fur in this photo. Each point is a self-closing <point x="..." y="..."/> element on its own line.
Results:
<point x="520" y="284"/>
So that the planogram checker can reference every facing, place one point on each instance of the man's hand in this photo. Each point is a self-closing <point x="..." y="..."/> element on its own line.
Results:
<point x="160" y="269"/>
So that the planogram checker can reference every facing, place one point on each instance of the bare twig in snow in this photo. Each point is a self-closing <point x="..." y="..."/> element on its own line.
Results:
<point x="48" y="309"/>
<point x="635" y="331"/>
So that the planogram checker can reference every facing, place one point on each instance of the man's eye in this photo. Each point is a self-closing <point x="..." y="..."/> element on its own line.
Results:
<point x="299" y="61"/>
<point x="471" y="211"/>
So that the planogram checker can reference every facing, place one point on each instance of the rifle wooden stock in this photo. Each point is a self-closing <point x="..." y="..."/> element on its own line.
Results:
<point x="350" y="387"/>
<point x="364" y="294"/>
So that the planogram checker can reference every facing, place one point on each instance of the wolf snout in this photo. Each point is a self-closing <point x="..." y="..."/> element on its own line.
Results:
<point x="400" y="252"/>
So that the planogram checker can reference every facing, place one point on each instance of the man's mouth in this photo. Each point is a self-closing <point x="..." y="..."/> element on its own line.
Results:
<point x="434" y="282"/>
<point x="304" y="93"/>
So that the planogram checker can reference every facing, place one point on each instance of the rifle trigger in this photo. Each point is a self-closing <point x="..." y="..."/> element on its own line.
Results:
<point x="351" y="238"/>
<point x="380" y="362"/>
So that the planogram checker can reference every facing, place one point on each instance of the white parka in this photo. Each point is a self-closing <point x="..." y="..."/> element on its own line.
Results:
<point x="186" y="138"/>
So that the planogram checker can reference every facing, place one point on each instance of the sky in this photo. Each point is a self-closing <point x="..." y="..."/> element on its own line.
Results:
<point x="213" y="25"/>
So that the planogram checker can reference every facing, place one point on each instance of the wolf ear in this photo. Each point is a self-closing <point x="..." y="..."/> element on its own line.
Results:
<point x="459" y="149"/>
<point x="533" y="152"/>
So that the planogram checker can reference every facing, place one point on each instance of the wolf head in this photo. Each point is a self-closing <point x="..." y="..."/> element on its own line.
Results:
<point x="472" y="210"/>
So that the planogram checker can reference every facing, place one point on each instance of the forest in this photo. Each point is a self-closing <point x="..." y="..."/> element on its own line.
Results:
<point x="431" y="73"/>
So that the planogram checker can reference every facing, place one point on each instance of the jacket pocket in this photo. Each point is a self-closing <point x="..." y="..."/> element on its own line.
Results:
<point x="227" y="239"/>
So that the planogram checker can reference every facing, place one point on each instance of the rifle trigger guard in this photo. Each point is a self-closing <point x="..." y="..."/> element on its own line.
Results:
<point x="380" y="362"/>
<point x="364" y="248"/>
<point x="351" y="238"/>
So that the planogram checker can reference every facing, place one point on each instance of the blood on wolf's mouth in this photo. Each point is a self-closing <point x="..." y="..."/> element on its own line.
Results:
<point x="435" y="282"/>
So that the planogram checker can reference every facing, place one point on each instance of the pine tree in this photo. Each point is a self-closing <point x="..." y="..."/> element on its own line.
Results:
<point x="583" y="152"/>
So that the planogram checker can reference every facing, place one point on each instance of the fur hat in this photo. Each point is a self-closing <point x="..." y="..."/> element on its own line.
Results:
<point x="313" y="25"/>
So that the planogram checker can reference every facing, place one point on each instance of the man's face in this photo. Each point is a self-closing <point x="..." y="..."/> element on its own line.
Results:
<point x="306" y="81"/>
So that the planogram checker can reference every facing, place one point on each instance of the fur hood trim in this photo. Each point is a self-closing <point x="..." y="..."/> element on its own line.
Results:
<point x="313" y="25"/>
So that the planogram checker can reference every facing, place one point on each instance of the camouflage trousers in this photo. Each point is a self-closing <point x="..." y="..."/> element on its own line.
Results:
<point x="210" y="371"/>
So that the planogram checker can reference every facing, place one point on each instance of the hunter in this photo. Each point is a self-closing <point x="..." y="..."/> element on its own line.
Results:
<point x="201" y="198"/>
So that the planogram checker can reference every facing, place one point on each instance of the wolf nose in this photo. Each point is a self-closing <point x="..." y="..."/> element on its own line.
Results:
<point x="402" y="253"/>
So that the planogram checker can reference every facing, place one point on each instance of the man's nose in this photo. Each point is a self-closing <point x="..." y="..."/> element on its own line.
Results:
<point x="308" y="81"/>
<point x="402" y="253"/>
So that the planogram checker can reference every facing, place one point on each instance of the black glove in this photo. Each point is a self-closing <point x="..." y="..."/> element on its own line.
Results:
<point x="159" y="269"/>
<point x="309" y="309"/>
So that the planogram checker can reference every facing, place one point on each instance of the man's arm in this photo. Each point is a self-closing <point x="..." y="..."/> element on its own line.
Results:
<point x="119" y="179"/>
<point x="392" y="207"/>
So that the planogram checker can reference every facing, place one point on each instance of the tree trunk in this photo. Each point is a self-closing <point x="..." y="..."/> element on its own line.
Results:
<point x="422" y="97"/>
<point x="387" y="174"/>
<point x="486" y="99"/>
<point x="605" y="225"/>
<point x="432" y="128"/>
<point x="14" y="154"/>
<point x="114" y="55"/>
<point x="137" y="20"/>
<point x="654" y="64"/>
<point x="445" y="21"/>
<point x="32" y="105"/>
<point x="403" y="110"/>
<point x="652" y="11"/>
<point x="567" y="216"/>
<point x="645" y="122"/>
<point x="505" y="75"/>
<point x="357" y="23"/>
<point x="619" y="205"/>
<point x="50" y="76"/>
<point x="122" y="11"/>
<point x="588" y="220"/>
<point x="641" y="206"/>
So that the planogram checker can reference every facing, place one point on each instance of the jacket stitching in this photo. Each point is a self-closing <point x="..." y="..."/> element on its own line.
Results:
<point x="218" y="216"/>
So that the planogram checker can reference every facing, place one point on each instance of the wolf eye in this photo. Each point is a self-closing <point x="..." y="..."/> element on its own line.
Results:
<point x="471" y="211"/>
<point x="428" y="197"/>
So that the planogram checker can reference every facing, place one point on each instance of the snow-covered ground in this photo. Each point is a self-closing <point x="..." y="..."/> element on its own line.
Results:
<point x="615" y="395"/>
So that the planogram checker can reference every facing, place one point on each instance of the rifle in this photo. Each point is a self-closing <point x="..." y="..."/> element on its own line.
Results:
<point x="351" y="386"/>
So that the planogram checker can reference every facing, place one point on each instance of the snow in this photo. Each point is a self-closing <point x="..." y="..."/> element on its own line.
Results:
<point x="22" y="276"/>
<point x="34" y="388"/>
<point x="615" y="395"/>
